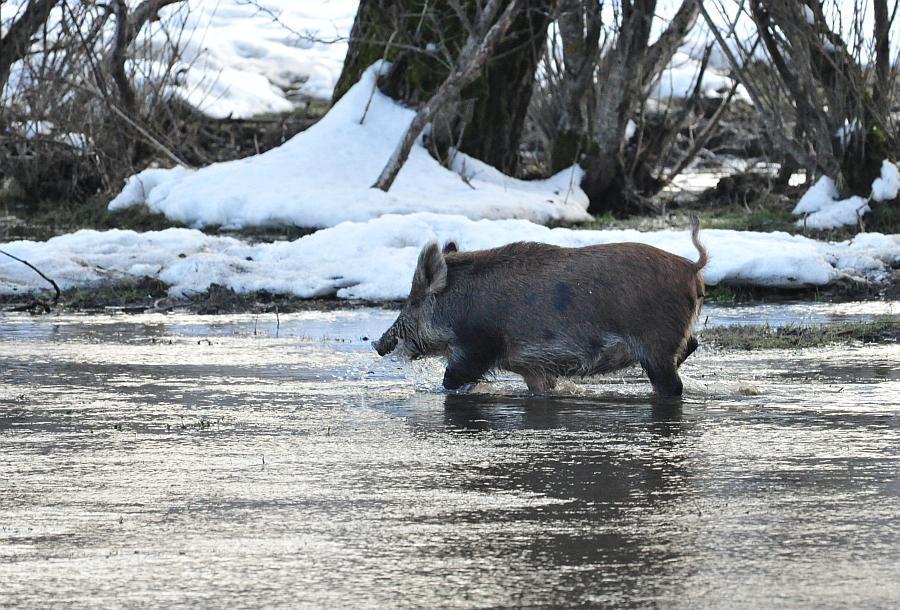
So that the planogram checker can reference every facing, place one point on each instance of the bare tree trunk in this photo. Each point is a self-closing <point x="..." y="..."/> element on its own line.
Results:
<point x="479" y="46"/>
<point x="423" y="39"/>
<point x="402" y="32"/>
<point x="663" y="50"/>
<point x="625" y="74"/>
<point x="15" y="44"/>
<point x="882" y="53"/>
<point x="493" y="131"/>
<point x="798" y="78"/>
<point x="769" y="123"/>
<point x="580" y="24"/>
<point x="622" y="68"/>
<point x="117" y="57"/>
<point x="830" y="91"/>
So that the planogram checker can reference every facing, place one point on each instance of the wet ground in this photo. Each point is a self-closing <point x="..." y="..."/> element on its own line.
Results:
<point x="243" y="461"/>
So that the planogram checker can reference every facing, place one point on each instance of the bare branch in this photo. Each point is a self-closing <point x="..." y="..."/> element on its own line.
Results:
<point x="148" y="10"/>
<point x="474" y="54"/>
<point x="767" y="120"/>
<point x="15" y="44"/>
<point x="703" y="137"/>
<point x="117" y="56"/>
<point x="661" y="52"/>
<point x="36" y="270"/>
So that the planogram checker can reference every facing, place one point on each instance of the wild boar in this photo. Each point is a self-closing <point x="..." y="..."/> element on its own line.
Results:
<point x="544" y="312"/>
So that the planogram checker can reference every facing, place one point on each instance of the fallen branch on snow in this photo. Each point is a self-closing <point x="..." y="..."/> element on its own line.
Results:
<point x="38" y="271"/>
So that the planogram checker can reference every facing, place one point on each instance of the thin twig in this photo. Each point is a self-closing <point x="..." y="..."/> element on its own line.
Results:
<point x="36" y="270"/>
<point x="387" y="49"/>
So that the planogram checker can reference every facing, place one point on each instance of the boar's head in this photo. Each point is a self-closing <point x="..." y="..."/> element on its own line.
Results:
<point x="418" y="331"/>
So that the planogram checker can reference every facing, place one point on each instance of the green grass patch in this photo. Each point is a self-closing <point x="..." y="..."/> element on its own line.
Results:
<point x="723" y="294"/>
<point x="47" y="219"/>
<point x="763" y="219"/>
<point x="796" y="336"/>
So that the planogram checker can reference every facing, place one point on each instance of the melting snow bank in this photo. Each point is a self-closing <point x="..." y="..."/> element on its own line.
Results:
<point x="822" y="208"/>
<point x="375" y="259"/>
<point x="322" y="177"/>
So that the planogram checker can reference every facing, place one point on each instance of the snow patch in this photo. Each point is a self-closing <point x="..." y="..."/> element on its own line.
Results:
<point x="817" y="197"/>
<point x="678" y="78"/>
<point x="323" y="176"/>
<point x="246" y="60"/>
<point x="886" y="186"/>
<point x="375" y="259"/>
<point x="824" y="210"/>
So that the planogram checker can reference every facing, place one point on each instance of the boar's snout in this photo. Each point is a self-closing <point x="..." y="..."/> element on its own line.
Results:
<point x="386" y="344"/>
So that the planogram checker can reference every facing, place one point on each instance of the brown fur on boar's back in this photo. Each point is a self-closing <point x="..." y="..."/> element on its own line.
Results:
<point x="544" y="311"/>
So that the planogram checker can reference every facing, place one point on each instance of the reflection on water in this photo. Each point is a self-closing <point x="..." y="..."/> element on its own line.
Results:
<point x="184" y="460"/>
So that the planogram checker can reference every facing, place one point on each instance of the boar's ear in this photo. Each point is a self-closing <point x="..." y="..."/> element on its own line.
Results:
<point x="431" y="272"/>
<point x="450" y="246"/>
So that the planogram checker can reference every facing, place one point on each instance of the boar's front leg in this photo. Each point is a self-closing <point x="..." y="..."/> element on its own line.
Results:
<point x="664" y="378"/>
<point x="464" y="368"/>
<point x="539" y="383"/>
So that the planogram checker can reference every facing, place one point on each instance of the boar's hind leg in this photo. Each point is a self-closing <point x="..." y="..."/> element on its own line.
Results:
<point x="664" y="378"/>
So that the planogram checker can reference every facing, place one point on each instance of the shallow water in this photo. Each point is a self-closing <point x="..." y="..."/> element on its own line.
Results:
<point x="196" y="460"/>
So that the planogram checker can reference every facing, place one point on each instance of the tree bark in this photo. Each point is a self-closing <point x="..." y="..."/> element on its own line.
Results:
<point x="117" y="58"/>
<point x="128" y="26"/>
<point x="485" y="118"/>
<point x="882" y="53"/>
<point x="622" y="70"/>
<point x="493" y="131"/>
<point x="480" y="45"/>
<point x="580" y="24"/>
<point x="416" y="36"/>
<point x="663" y="50"/>
<point x="15" y="44"/>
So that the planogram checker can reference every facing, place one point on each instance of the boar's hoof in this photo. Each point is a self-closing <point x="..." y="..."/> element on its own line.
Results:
<point x="463" y="389"/>
<point x="663" y="377"/>
<point x="456" y="376"/>
<point x="667" y="386"/>
<point x="539" y="384"/>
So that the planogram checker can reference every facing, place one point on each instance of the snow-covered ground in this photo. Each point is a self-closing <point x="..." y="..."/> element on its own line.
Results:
<point x="375" y="259"/>
<point x="252" y="57"/>
<point x="323" y="175"/>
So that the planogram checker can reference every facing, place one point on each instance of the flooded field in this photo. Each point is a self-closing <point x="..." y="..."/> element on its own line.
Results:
<point x="247" y="461"/>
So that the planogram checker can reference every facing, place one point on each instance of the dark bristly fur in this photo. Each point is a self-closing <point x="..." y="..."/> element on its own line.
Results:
<point x="544" y="311"/>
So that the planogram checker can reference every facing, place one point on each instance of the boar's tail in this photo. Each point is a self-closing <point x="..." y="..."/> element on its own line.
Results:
<point x="695" y="237"/>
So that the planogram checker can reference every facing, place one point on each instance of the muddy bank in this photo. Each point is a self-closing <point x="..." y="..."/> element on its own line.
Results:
<point x="800" y="336"/>
<point x="149" y="294"/>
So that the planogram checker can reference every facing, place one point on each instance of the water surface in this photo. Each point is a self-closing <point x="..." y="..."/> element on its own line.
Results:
<point x="190" y="460"/>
